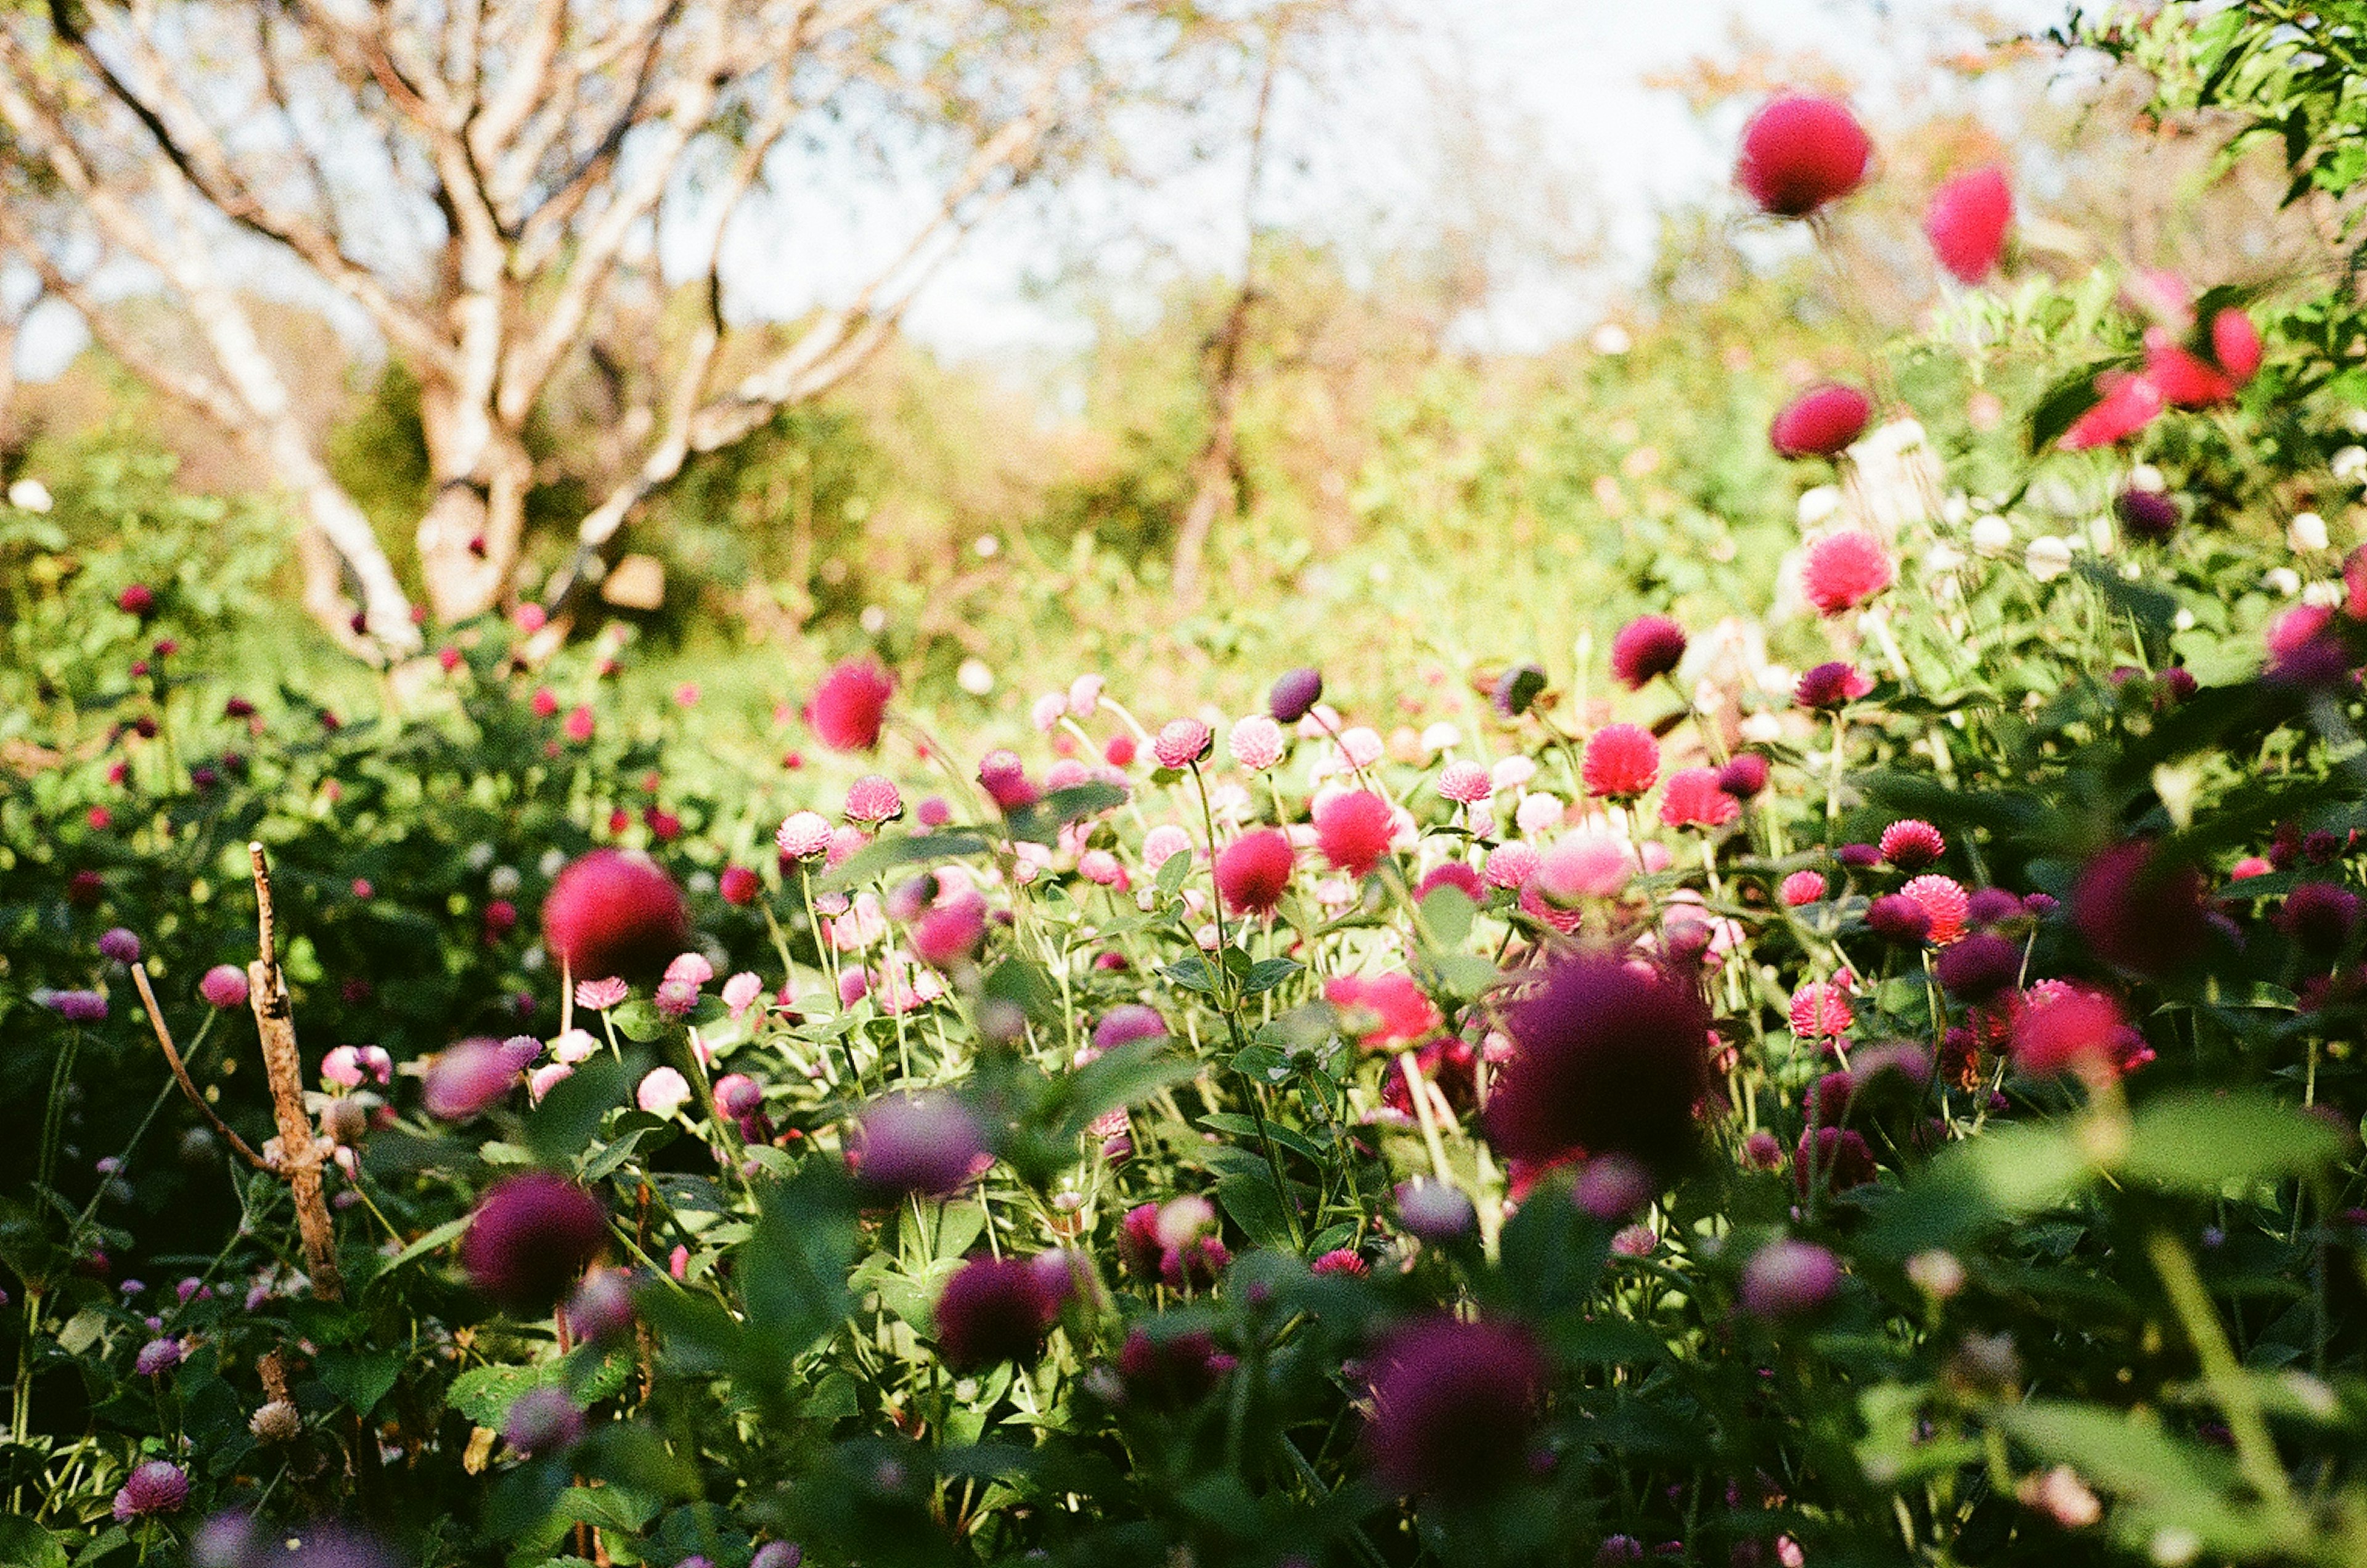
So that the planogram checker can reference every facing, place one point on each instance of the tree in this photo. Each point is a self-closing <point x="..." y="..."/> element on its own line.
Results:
<point x="483" y="181"/>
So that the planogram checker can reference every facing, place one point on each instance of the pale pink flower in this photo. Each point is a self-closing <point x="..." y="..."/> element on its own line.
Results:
<point x="574" y="1047"/>
<point x="1538" y="813"/>
<point x="740" y="990"/>
<point x="1255" y="742"/>
<point x="664" y="1092"/>
<point x="804" y="835"/>
<point x="1466" y="783"/>
<point x="1585" y="865"/>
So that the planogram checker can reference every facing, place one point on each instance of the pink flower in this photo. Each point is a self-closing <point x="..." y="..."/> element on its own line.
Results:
<point x="1511" y="865"/>
<point x="1910" y="844"/>
<point x="1820" y="422"/>
<point x="223" y="985"/>
<point x="1787" y="1280"/>
<point x="739" y="885"/>
<point x="1609" y="1057"/>
<point x="1585" y="865"/>
<point x="1162" y="843"/>
<point x="1801" y="151"/>
<point x="1693" y="799"/>
<point x="1944" y="901"/>
<point x="872" y="800"/>
<point x="1620" y="763"/>
<point x="1455" y="1407"/>
<point x="1829" y="687"/>
<point x="1180" y="743"/>
<point x="1966" y="220"/>
<point x="2125" y="404"/>
<point x="1256" y="742"/>
<point x="951" y="933"/>
<point x="1803" y="887"/>
<point x="614" y="913"/>
<point x="850" y="705"/>
<point x="1466" y="783"/>
<point x="2186" y="379"/>
<point x="531" y="1236"/>
<point x="1820" y="1010"/>
<point x="926" y="1145"/>
<point x="1843" y="571"/>
<point x="139" y="599"/>
<point x="1253" y="870"/>
<point x="1383" y="1010"/>
<point x="579" y="724"/>
<point x="1353" y="829"/>
<point x="600" y="995"/>
<point x="803" y="835"/>
<point x="740" y="990"/>
<point x="663" y="1092"/>
<point x="2066" y="1027"/>
<point x="159" y="1486"/>
<point x="1646" y="648"/>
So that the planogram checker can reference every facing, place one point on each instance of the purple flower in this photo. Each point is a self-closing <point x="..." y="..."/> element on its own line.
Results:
<point x="1126" y="1023"/>
<point x="993" y="1310"/>
<point x="1789" y="1279"/>
<point x="924" y="1145"/>
<point x="1977" y="966"/>
<point x="157" y="1357"/>
<point x="1294" y="692"/>
<point x="119" y="945"/>
<point x="471" y="1078"/>
<point x="529" y="1238"/>
<point x="224" y="985"/>
<point x="78" y="1006"/>
<point x="542" y="1421"/>
<point x="158" y="1486"/>
<point x="1455" y="1407"/>
<point x="1433" y="1211"/>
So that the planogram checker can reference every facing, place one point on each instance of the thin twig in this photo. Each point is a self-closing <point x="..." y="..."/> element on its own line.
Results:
<point x="181" y="1073"/>
<point x="300" y="1156"/>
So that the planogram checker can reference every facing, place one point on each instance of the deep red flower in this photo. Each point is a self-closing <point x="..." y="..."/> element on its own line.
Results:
<point x="2146" y="515"/>
<point x="1621" y="761"/>
<point x="993" y="1310"/>
<point x="1911" y="843"/>
<point x="1820" y="422"/>
<point x="2063" y="1026"/>
<point x="1831" y="1160"/>
<point x="1609" y="1056"/>
<point x="1646" y="648"/>
<point x="1253" y="870"/>
<point x="529" y="1238"/>
<point x="1453" y="874"/>
<point x="1827" y="687"/>
<point x="850" y="704"/>
<point x="2140" y="913"/>
<point x="1744" y="775"/>
<point x="2320" y="917"/>
<point x="1455" y="1407"/>
<point x="1353" y="829"/>
<point x="738" y="885"/>
<point x="614" y="913"/>
<point x="1966" y="220"/>
<point x="1801" y="151"/>
<point x="1843" y="571"/>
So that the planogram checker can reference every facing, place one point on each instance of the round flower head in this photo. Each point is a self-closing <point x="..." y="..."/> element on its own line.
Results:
<point x="1162" y="843"/>
<point x="1898" y="919"/>
<point x="2064" y="1026"/>
<point x="803" y="835"/>
<point x="1463" y="782"/>
<point x="1646" y="648"/>
<point x="1822" y="421"/>
<point x="1744" y="776"/>
<point x="1803" y="887"/>
<point x="850" y="704"/>
<point x="119" y="945"/>
<point x="1005" y="778"/>
<point x="1966" y="220"/>
<point x="664" y="1092"/>
<point x="1126" y="1023"/>
<point x="1352" y="830"/>
<point x="1253" y="870"/>
<point x="77" y="1006"/>
<point x="2189" y="380"/>
<point x="1294" y="692"/>
<point x="1830" y="687"/>
<point x="2305" y="650"/>
<point x="872" y="800"/>
<point x="1586" y="865"/>
<point x="1609" y="1056"/>
<point x="157" y="1358"/>
<point x="159" y="1486"/>
<point x="223" y="985"/>
<point x="993" y="1310"/>
<point x="1510" y="866"/>
<point x="951" y="933"/>
<point x="1256" y="742"/>
<point x="473" y="1078"/>
<point x="1859" y="857"/>
<point x="1820" y="1010"/>
<point x="2140" y="913"/>
<point x="1943" y="900"/>
<point x="2124" y="405"/>
<point x="613" y="913"/>
<point x="739" y="885"/>
<point x="2146" y="515"/>
<point x="1787" y="1280"/>
<point x="1843" y="571"/>
<point x="531" y="1235"/>
<point x="1455" y="1408"/>
<point x="1383" y="1011"/>
<point x="2320" y="917"/>
<point x="1434" y="1211"/>
<point x="1979" y="967"/>
<point x="926" y="1145"/>
<point x="1911" y="844"/>
<point x="1456" y="875"/>
<point x="778" y="1555"/>
<point x="1621" y="761"/>
<point x="1694" y="800"/>
<point x="1180" y="743"/>
<point x="542" y="1421"/>
<point x="1801" y="151"/>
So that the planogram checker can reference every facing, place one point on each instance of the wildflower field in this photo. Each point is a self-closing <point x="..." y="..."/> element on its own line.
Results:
<point x="1866" y="1073"/>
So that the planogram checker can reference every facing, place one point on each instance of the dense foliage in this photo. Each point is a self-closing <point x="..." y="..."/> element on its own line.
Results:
<point x="1876" y="1082"/>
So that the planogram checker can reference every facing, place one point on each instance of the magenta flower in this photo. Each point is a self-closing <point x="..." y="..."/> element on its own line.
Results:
<point x="1455" y="1408"/>
<point x="1801" y="151"/>
<point x="611" y="912"/>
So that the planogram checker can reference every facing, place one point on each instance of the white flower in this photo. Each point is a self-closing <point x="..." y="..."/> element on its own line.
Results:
<point x="1084" y="696"/>
<point x="2305" y="532"/>
<point x="1942" y="559"/>
<point x="2283" y="579"/>
<point x="874" y="620"/>
<point x="2183" y="621"/>
<point x="1613" y="339"/>
<point x="1440" y="737"/>
<point x="988" y="546"/>
<point x="1818" y="505"/>
<point x="1512" y="773"/>
<point x="2349" y="464"/>
<point x="1956" y="510"/>
<point x="974" y="677"/>
<point x="32" y="495"/>
<point x="1762" y="728"/>
<point x="2048" y="558"/>
<point x="1992" y="535"/>
<point x="504" y="882"/>
<point x="2328" y="595"/>
<point x="2146" y="476"/>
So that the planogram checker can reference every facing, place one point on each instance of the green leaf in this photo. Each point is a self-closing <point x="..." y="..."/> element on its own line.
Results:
<point x="792" y="1272"/>
<point x="560" y="1129"/>
<point x="1553" y="1254"/>
<point x="1267" y="973"/>
<point x="888" y="851"/>
<point x="2004" y="1174"/>
<point x="1172" y="873"/>
<point x="1191" y="974"/>
<point x="484" y="1394"/>
<point x="23" y="1544"/>
<point x="360" y="1378"/>
<point x="639" y="1020"/>
<point x="1120" y="1078"/>
<point x="1447" y="912"/>
<point x="1251" y="1202"/>
<point x="1040" y="823"/>
<point x="2202" y="1142"/>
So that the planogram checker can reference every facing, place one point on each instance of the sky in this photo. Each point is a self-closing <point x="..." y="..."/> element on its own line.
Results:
<point x="1583" y="154"/>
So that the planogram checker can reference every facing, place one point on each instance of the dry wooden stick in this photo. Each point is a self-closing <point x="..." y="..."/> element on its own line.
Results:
<point x="181" y="1073"/>
<point x="300" y="1156"/>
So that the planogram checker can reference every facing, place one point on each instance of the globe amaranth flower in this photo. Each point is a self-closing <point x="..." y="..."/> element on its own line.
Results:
<point x="873" y="800"/>
<point x="1455" y="1408"/>
<point x="76" y="1007"/>
<point x="1256" y="742"/>
<point x="1942" y="899"/>
<point x="2212" y="371"/>
<point x="1842" y="570"/>
<point x="1966" y="220"/>
<point x="1911" y="844"/>
<point x="1510" y="866"/>
<point x="473" y="1077"/>
<point x="119" y="945"/>
<point x="849" y="707"/>
<point x="803" y="836"/>
<point x="223" y="985"/>
<point x="1831" y="1160"/>
<point x="1898" y="919"/>
<point x="2062" y="1027"/>
<point x="1465" y="783"/>
<point x="1353" y="829"/>
<point x="614" y="913"/>
<point x="2320" y="917"/>
<point x="2140" y="912"/>
<point x="1585" y="865"/>
<point x="156" y="1487"/>
<point x="1294" y="695"/>
<point x="543" y="1421"/>
<point x="1820" y="422"/>
<point x="1620" y="763"/>
<point x="1609" y="1056"/>
<point x="531" y="1236"/>
<point x="1802" y="888"/>
<point x="157" y="1358"/>
<point x="1005" y="778"/>
<point x="1456" y="875"/>
<point x="1646" y="648"/>
<point x="1253" y="870"/>
<point x="1787" y="1280"/>
<point x="1820" y="1010"/>
<point x="1801" y="151"/>
<point x="927" y="1146"/>
<point x="1180" y="743"/>
<point x="1978" y="967"/>
<point x="2125" y="403"/>
<point x="951" y="933"/>
<point x="1744" y="775"/>
<point x="1828" y="688"/>
<point x="2146" y="515"/>
<point x="1694" y="799"/>
<point x="1382" y="1012"/>
<point x="1434" y="1211"/>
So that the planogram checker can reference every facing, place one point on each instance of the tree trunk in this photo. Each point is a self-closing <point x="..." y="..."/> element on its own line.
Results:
<point x="469" y="536"/>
